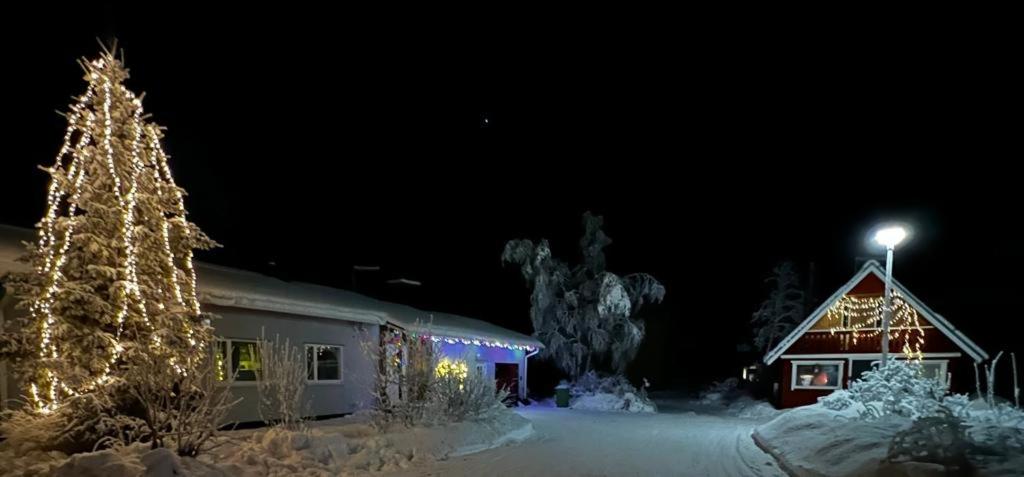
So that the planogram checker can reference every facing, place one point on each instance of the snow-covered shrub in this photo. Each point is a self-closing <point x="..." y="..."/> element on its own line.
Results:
<point x="434" y="390"/>
<point x="839" y="400"/>
<point x="940" y="438"/>
<point x="179" y="410"/>
<point x="456" y="396"/>
<point x="281" y="383"/>
<point x="609" y="393"/>
<point x="898" y="388"/>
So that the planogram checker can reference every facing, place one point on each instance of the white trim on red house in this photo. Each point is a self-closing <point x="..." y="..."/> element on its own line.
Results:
<point x="872" y="267"/>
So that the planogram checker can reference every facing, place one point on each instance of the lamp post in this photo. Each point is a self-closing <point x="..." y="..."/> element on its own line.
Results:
<point x="890" y="237"/>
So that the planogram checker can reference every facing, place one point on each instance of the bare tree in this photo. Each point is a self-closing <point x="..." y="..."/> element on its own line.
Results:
<point x="782" y="311"/>
<point x="281" y="383"/>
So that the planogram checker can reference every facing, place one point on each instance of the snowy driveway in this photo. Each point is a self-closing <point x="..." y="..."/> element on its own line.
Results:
<point x="586" y="443"/>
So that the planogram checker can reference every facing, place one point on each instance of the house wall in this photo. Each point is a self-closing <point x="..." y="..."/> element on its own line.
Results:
<point x="959" y="371"/>
<point x="818" y="342"/>
<point x="358" y="368"/>
<point x="488" y="355"/>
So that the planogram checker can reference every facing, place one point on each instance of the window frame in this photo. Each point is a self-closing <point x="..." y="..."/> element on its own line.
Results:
<point x="794" y="384"/>
<point x="229" y="373"/>
<point x="316" y="370"/>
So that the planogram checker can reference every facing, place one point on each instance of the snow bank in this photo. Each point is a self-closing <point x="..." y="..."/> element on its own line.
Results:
<point x="627" y="402"/>
<point x="817" y="441"/>
<point x="727" y="397"/>
<point x="339" y="446"/>
<point x="609" y="393"/>
<point x="814" y="441"/>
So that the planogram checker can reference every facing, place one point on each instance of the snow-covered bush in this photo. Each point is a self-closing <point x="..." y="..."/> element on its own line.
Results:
<point x="460" y="395"/>
<point x="609" y="393"/>
<point x="940" y="438"/>
<point x="282" y="382"/>
<point x="839" y="400"/>
<point x="434" y="390"/>
<point x="899" y="388"/>
<point x="178" y="410"/>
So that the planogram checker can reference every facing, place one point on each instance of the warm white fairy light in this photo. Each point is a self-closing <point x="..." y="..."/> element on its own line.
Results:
<point x="65" y="189"/>
<point x="852" y="314"/>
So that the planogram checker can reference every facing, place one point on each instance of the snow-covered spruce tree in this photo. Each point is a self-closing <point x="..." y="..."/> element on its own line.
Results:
<point x="782" y="311"/>
<point x="584" y="315"/>
<point x="112" y="275"/>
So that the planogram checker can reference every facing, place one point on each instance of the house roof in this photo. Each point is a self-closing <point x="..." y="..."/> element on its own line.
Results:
<point x="869" y="268"/>
<point x="447" y="324"/>
<point x="226" y="286"/>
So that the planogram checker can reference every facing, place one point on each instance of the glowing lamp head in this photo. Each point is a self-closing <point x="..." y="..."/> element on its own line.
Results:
<point x="890" y="236"/>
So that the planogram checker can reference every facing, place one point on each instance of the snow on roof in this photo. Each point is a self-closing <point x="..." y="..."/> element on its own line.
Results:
<point x="456" y="326"/>
<point x="226" y="286"/>
<point x="872" y="267"/>
<point x="243" y="289"/>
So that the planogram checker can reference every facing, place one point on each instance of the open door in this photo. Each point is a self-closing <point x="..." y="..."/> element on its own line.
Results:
<point x="506" y="375"/>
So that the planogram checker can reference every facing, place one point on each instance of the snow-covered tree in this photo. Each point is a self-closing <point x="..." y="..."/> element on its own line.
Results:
<point x="782" y="311"/>
<point x="584" y="315"/>
<point x="112" y="276"/>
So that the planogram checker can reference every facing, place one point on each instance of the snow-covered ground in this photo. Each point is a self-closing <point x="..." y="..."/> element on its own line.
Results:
<point x="683" y="438"/>
<point x="347" y="446"/>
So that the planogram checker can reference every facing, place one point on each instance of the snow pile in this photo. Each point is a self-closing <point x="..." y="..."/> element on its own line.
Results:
<point x="727" y="397"/>
<point x="611" y="393"/>
<point x="815" y="441"/>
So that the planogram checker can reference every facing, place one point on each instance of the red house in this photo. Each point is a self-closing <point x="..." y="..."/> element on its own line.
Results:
<point x="842" y="339"/>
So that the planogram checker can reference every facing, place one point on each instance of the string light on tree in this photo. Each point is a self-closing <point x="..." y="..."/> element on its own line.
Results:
<point x="112" y="271"/>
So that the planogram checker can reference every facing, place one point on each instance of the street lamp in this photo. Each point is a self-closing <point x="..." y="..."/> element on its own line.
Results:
<point x="890" y="237"/>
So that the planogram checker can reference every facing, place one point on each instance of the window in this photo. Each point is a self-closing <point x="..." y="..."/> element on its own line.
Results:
<point x="323" y="363"/>
<point x="817" y="375"/>
<point x="244" y="362"/>
<point x="930" y="368"/>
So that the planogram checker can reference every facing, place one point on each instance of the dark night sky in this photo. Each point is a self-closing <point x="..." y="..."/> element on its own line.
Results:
<point x="319" y="140"/>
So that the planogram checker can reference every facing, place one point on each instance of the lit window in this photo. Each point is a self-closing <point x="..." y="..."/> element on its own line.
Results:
<point x="244" y="362"/>
<point x="323" y="363"/>
<point x="817" y="375"/>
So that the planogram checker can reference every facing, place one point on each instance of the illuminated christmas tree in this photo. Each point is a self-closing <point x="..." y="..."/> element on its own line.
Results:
<point x="112" y="273"/>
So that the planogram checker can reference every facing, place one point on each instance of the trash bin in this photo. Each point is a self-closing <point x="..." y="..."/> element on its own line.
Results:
<point x="562" y="395"/>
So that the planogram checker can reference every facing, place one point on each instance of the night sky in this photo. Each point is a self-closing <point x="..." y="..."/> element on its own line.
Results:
<point x="312" y="141"/>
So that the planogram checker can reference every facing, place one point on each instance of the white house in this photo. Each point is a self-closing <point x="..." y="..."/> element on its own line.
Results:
<point x="337" y="329"/>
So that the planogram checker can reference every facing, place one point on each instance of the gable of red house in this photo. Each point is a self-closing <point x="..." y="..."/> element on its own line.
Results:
<point x="820" y="356"/>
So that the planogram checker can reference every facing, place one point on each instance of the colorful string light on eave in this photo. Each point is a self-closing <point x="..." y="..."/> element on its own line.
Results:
<point x="93" y="108"/>
<point x="853" y="314"/>
<point x="478" y="342"/>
